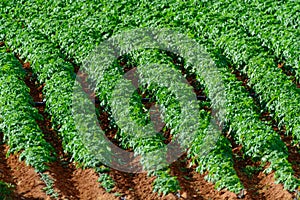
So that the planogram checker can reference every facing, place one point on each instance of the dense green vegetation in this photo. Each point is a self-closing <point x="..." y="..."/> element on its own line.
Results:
<point x="251" y="37"/>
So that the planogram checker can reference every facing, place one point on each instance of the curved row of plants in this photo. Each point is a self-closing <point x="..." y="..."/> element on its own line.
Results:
<point x="18" y="116"/>
<point x="133" y="130"/>
<point x="18" y="119"/>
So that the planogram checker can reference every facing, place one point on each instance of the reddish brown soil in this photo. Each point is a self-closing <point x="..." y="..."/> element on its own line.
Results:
<point x="193" y="185"/>
<point x="27" y="184"/>
<point x="258" y="185"/>
<point x="72" y="183"/>
<point x="78" y="183"/>
<point x="81" y="184"/>
<point x="139" y="186"/>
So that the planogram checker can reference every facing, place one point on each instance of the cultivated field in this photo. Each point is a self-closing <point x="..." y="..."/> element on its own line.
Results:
<point x="249" y="49"/>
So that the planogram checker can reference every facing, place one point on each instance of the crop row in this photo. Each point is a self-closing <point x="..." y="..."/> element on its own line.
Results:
<point x="18" y="119"/>
<point x="18" y="115"/>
